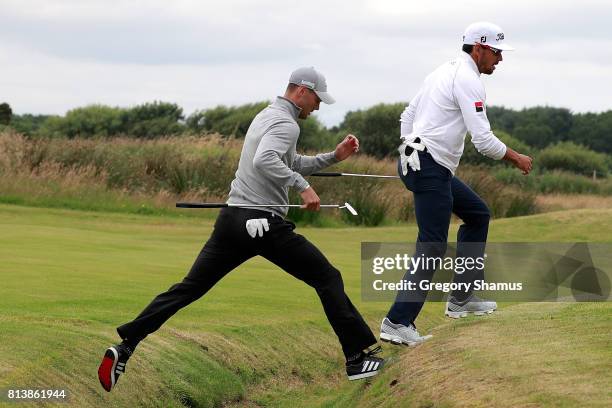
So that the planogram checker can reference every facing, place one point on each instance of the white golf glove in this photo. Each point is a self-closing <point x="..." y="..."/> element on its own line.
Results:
<point x="411" y="160"/>
<point x="257" y="226"/>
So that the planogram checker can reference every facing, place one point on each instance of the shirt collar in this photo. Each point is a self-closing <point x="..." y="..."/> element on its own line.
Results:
<point x="470" y="61"/>
<point x="288" y="106"/>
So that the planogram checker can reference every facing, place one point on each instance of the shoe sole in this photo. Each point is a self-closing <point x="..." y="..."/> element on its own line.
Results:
<point x="106" y="371"/>
<point x="458" y="315"/>
<point x="398" y="341"/>
<point x="362" y="376"/>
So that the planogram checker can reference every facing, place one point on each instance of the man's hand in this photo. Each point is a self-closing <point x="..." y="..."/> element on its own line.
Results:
<point x="311" y="200"/>
<point x="520" y="161"/>
<point x="523" y="163"/>
<point x="348" y="146"/>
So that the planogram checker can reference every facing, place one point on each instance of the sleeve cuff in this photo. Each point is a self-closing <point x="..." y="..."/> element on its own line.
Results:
<point x="300" y="183"/>
<point x="330" y="157"/>
<point x="503" y="152"/>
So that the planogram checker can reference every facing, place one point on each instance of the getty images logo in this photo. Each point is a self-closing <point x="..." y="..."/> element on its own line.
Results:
<point x="575" y="270"/>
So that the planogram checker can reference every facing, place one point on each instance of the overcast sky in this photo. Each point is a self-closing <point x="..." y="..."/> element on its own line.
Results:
<point x="56" y="55"/>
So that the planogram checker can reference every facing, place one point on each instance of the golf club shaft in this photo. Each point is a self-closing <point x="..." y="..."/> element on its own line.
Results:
<point x="222" y="205"/>
<point x="331" y="174"/>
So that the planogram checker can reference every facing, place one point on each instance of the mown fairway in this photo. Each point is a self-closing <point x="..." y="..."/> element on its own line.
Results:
<point x="260" y="337"/>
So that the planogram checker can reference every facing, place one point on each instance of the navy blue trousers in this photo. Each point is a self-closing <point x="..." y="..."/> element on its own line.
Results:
<point x="437" y="195"/>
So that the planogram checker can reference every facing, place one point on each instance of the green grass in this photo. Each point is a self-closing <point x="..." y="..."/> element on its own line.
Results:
<point x="260" y="338"/>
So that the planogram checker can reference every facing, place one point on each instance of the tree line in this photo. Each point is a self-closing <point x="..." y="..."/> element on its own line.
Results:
<point x="578" y="141"/>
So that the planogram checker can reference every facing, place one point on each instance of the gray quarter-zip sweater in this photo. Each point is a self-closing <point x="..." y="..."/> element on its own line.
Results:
<point x="269" y="164"/>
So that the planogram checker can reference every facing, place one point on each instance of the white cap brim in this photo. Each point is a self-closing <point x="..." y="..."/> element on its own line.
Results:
<point x="325" y="97"/>
<point x="503" y="47"/>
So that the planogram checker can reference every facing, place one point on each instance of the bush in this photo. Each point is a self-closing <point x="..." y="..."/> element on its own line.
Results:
<point x="86" y="122"/>
<point x="473" y="157"/>
<point x="176" y="165"/>
<point x="534" y="134"/>
<point x="554" y="182"/>
<point x="149" y="120"/>
<point x="593" y="130"/>
<point x="378" y="128"/>
<point x="28" y="124"/>
<point x="538" y="126"/>
<point x="544" y="125"/>
<point x="502" y="200"/>
<point x="152" y="120"/>
<point x="201" y="168"/>
<point x="575" y="158"/>
<point x="6" y="113"/>
<point x="368" y="198"/>
<point x="371" y="198"/>
<point x="234" y="121"/>
<point x="231" y="121"/>
<point x="315" y="137"/>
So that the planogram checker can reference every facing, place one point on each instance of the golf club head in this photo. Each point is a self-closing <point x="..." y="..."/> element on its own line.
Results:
<point x="350" y="208"/>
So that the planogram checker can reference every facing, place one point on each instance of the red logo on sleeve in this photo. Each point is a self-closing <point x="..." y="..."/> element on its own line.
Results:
<point x="479" y="106"/>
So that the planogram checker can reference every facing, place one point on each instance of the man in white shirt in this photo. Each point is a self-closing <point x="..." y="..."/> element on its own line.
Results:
<point x="451" y="102"/>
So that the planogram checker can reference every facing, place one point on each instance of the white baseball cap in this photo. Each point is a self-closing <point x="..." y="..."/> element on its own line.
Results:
<point x="487" y="34"/>
<point x="312" y="79"/>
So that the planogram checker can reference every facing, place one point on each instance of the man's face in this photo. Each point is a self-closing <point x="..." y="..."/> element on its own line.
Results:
<point x="488" y="58"/>
<point x="309" y="102"/>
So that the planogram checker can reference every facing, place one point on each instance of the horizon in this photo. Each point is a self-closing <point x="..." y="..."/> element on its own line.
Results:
<point x="328" y="126"/>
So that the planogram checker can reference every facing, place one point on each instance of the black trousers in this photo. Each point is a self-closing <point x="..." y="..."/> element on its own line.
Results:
<point x="229" y="246"/>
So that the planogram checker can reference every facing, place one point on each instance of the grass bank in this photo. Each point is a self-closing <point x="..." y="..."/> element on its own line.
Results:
<point x="260" y="338"/>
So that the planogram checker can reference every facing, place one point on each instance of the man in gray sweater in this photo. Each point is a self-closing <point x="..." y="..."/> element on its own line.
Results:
<point x="268" y="167"/>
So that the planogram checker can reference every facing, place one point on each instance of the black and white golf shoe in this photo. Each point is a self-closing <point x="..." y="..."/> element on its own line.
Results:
<point x="113" y="365"/>
<point x="367" y="366"/>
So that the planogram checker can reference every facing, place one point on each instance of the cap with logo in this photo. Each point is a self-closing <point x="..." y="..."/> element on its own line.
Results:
<point x="312" y="79"/>
<point x="487" y="34"/>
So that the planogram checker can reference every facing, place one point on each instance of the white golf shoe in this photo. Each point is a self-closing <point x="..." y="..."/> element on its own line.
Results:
<point x="400" y="334"/>
<point x="473" y="304"/>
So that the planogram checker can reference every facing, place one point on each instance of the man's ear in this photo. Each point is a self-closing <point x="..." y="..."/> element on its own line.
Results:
<point x="476" y="50"/>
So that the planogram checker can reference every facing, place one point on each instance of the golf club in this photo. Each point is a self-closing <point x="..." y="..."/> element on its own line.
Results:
<point x="346" y="206"/>
<point x="331" y="174"/>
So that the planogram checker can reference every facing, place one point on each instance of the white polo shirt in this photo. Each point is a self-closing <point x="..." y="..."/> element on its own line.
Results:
<point x="451" y="102"/>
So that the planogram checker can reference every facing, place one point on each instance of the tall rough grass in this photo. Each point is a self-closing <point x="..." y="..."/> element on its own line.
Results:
<point x="555" y="182"/>
<point x="503" y="200"/>
<point x="559" y="202"/>
<point x="127" y="174"/>
<point x="175" y="164"/>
